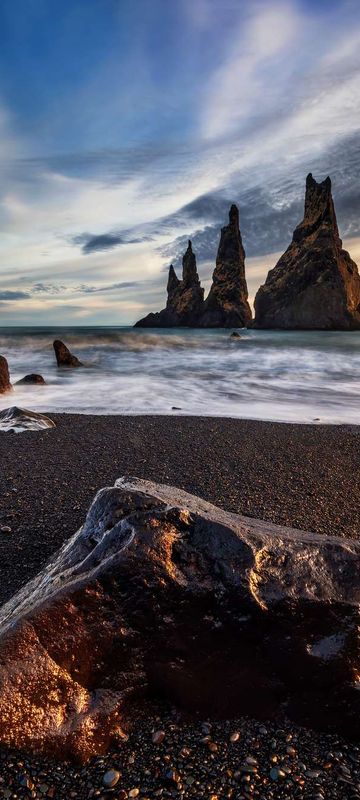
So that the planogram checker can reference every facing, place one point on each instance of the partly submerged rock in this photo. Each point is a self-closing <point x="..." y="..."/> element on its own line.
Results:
<point x="184" y="301"/>
<point x="315" y="284"/>
<point x="227" y="304"/>
<point x="63" y="356"/>
<point x="5" y="385"/>
<point x="21" y="419"/>
<point x="163" y="594"/>
<point x="33" y="378"/>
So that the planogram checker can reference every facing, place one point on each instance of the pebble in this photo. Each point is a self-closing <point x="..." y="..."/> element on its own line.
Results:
<point x="158" y="737"/>
<point x="111" y="778"/>
<point x="285" y="763"/>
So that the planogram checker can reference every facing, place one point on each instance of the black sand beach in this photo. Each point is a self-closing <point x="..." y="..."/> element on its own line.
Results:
<point x="304" y="476"/>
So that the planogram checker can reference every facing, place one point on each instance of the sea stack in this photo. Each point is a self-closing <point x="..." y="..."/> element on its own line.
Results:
<point x="315" y="284"/>
<point x="227" y="304"/>
<point x="63" y="356"/>
<point x="185" y="298"/>
<point x="5" y="385"/>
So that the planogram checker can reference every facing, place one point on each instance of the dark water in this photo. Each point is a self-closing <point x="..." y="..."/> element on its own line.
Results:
<point x="274" y="375"/>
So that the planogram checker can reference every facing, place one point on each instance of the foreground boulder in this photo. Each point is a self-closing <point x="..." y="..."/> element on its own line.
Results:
<point x="163" y="594"/>
<point x="63" y="356"/>
<point x="21" y="419"/>
<point x="185" y="298"/>
<point x="5" y="385"/>
<point x="33" y="378"/>
<point x="315" y="284"/>
<point x="227" y="304"/>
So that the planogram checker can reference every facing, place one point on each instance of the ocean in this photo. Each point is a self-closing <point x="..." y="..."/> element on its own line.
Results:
<point x="305" y="376"/>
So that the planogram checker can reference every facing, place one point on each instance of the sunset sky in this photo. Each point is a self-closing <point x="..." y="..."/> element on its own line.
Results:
<point x="128" y="126"/>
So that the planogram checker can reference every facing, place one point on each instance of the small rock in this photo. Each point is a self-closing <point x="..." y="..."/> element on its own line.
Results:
<point x="5" y="529"/>
<point x="235" y="736"/>
<point x="111" y="778"/>
<point x="158" y="737"/>
<point x="33" y="378"/>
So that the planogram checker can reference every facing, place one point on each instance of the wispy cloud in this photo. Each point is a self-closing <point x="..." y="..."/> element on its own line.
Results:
<point x="14" y="295"/>
<point x="272" y="96"/>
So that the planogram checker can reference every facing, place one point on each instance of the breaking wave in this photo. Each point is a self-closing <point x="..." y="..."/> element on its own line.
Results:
<point x="289" y="376"/>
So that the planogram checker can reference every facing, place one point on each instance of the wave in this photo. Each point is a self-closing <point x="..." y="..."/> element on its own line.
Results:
<point x="295" y="376"/>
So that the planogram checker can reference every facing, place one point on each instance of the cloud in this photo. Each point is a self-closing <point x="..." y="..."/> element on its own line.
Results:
<point x="103" y="241"/>
<point x="237" y="89"/>
<point x="111" y="288"/>
<point x="8" y="294"/>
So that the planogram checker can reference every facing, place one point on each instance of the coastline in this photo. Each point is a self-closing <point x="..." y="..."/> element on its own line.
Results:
<point x="298" y="475"/>
<point x="294" y="474"/>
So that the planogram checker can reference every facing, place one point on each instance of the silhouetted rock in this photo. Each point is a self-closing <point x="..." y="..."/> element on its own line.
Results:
<point x="235" y="335"/>
<point x="227" y="304"/>
<point x="63" y="356"/>
<point x="185" y="298"/>
<point x="32" y="378"/>
<point x="5" y="385"/>
<point x="162" y="594"/>
<point x="21" y="419"/>
<point x="315" y="284"/>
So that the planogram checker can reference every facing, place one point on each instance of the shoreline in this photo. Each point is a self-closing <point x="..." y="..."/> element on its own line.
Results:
<point x="303" y="476"/>
<point x="293" y="474"/>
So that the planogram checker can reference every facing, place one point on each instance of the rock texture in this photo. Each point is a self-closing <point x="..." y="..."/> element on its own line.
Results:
<point x="21" y="419"/>
<point x="63" y="356"/>
<point x="5" y="385"/>
<point x="185" y="298"/>
<point x="33" y="378"/>
<point x="227" y="304"/>
<point x="315" y="284"/>
<point x="161" y="593"/>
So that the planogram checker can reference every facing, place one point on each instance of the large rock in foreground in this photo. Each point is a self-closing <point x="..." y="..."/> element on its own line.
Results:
<point x="315" y="284"/>
<point x="5" y="385"/>
<point x="185" y="298"/>
<point x="227" y="304"/>
<point x="161" y="593"/>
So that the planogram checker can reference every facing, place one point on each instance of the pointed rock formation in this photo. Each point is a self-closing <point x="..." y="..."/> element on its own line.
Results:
<point x="315" y="284"/>
<point x="185" y="298"/>
<point x="5" y="385"/>
<point x="161" y="594"/>
<point x="63" y="356"/>
<point x="227" y="304"/>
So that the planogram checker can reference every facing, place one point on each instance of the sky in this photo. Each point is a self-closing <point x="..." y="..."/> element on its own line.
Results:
<point x="129" y="126"/>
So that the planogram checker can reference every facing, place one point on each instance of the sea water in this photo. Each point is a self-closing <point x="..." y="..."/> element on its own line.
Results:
<point x="294" y="376"/>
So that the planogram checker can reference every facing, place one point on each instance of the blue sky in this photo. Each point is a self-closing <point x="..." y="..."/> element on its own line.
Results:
<point x="126" y="127"/>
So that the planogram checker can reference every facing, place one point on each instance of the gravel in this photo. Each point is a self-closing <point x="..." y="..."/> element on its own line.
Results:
<point x="297" y="475"/>
<point x="258" y="764"/>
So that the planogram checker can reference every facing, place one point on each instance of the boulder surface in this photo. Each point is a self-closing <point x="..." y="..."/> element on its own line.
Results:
<point x="5" y="385"/>
<point x="162" y="594"/>
<point x="21" y="419"/>
<point x="63" y="356"/>
<point x="315" y="284"/>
